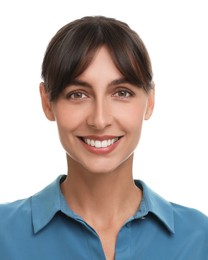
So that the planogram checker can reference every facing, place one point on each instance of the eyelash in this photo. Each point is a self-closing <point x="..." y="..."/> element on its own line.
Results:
<point x="78" y="92"/>
<point x="127" y="92"/>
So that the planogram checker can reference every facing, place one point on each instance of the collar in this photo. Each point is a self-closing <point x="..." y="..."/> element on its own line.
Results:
<point x="49" y="201"/>
<point x="46" y="203"/>
<point x="155" y="204"/>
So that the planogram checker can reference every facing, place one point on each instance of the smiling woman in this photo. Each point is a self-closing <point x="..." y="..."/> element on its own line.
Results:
<point x="101" y="112"/>
<point x="98" y="87"/>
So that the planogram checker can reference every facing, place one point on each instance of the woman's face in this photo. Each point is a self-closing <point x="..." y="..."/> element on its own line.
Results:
<point x="99" y="116"/>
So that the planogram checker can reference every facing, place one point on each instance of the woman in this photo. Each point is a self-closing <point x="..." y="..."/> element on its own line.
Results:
<point x="98" y="87"/>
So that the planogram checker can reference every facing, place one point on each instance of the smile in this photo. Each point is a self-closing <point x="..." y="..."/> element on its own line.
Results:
<point x="100" y="144"/>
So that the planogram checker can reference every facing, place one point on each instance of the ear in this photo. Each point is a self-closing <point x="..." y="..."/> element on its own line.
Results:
<point x="46" y="104"/>
<point x="150" y="102"/>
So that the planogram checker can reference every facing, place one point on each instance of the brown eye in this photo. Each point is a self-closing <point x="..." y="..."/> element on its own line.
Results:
<point x="123" y="94"/>
<point x="76" y="95"/>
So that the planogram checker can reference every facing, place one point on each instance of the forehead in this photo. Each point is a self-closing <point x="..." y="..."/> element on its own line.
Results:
<point x="101" y="65"/>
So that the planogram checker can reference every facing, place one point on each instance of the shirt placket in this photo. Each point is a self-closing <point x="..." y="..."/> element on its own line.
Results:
<point x="123" y="244"/>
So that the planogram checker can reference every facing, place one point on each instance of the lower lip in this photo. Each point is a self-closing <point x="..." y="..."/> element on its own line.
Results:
<point x="102" y="150"/>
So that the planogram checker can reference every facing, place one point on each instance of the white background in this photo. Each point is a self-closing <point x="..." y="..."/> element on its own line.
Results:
<point x="172" y="155"/>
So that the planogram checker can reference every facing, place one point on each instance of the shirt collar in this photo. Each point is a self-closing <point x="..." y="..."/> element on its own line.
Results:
<point x="49" y="201"/>
<point x="46" y="203"/>
<point x="155" y="204"/>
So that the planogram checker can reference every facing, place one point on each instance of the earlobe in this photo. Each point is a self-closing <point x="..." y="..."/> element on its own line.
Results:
<point x="46" y="104"/>
<point x="150" y="103"/>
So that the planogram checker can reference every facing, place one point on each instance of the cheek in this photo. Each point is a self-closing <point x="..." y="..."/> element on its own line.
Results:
<point x="132" y="121"/>
<point x="131" y="117"/>
<point x="68" y="118"/>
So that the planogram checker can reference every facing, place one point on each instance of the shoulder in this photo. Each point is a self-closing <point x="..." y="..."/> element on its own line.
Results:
<point x="24" y="207"/>
<point x="183" y="221"/>
<point x="187" y="213"/>
<point x="14" y="206"/>
<point x="13" y="211"/>
<point x="22" y="213"/>
<point x="190" y="220"/>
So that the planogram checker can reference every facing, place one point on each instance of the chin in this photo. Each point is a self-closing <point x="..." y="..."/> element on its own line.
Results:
<point x="101" y="170"/>
<point x="104" y="168"/>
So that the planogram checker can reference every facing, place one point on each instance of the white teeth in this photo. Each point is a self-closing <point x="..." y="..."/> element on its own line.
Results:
<point x="100" y="144"/>
<point x="104" y="143"/>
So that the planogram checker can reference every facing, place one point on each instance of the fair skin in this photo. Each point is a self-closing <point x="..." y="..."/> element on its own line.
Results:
<point x="101" y="109"/>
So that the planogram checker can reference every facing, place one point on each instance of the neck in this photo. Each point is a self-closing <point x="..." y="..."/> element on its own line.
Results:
<point x="105" y="196"/>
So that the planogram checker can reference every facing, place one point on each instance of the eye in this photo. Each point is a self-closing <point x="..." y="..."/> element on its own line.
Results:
<point x="76" y="95"/>
<point x="123" y="93"/>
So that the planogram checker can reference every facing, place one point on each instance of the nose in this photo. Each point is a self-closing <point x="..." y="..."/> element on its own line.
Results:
<point x="100" y="115"/>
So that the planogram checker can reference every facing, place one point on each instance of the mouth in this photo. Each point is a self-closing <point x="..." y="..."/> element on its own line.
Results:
<point x="98" y="143"/>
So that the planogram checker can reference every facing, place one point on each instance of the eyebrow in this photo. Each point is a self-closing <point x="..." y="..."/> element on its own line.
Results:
<point x="119" y="81"/>
<point x="78" y="82"/>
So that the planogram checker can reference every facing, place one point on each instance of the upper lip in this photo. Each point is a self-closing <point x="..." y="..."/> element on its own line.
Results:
<point x="100" y="138"/>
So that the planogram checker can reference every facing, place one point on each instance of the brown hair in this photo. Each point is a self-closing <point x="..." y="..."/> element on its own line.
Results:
<point x="73" y="47"/>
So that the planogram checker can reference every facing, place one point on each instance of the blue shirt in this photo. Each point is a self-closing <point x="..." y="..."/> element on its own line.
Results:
<point x="43" y="227"/>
